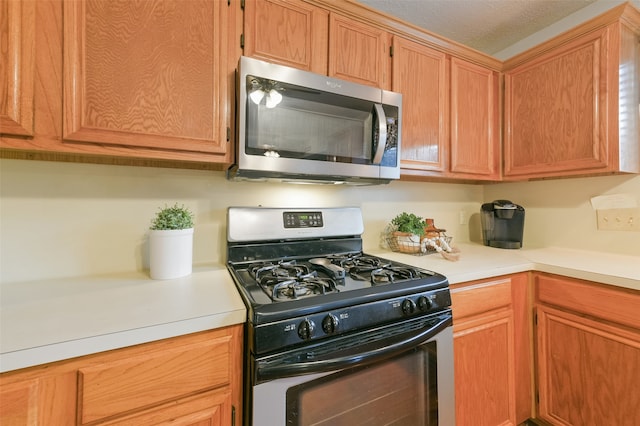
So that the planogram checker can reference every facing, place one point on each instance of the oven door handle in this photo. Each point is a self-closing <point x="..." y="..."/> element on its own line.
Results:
<point x="392" y="346"/>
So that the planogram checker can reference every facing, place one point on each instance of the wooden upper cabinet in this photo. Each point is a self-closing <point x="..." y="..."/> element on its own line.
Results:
<point x="573" y="109"/>
<point x="551" y="110"/>
<point x="475" y="121"/>
<point x="17" y="55"/>
<point x="359" y="52"/>
<point x="450" y="115"/>
<point x="292" y="33"/>
<point x="421" y="75"/>
<point x="148" y="74"/>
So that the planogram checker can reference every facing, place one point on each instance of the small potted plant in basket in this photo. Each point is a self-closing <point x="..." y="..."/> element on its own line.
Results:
<point x="171" y="243"/>
<point x="408" y="232"/>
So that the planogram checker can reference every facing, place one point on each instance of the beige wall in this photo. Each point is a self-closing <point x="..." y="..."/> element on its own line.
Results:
<point x="559" y="212"/>
<point x="65" y="219"/>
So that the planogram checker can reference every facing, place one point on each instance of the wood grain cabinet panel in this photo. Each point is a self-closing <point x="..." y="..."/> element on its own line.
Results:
<point x="475" y="121"/>
<point x="41" y="399"/>
<point x="552" y="110"/>
<point x="191" y="380"/>
<point x="571" y="107"/>
<point x="450" y="126"/>
<point x="587" y="370"/>
<point x="492" y="359"/>
<point x="17" y="73"/>
<point x="146" y="74"/>
<point x="359" y="52"/>
<point x="292" y="33"/>
<point x="149" y="378"/>
<point x="421" y="75"/>
<point x="208" y="409"/>
<point x="484" y="371"/>
<point x="588" y="352"/>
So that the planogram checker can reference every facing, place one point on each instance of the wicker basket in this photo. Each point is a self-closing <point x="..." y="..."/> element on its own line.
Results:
<point x="404" y="242"/>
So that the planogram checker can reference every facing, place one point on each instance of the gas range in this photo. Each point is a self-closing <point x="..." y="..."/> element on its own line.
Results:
<point x="304" y="277"/>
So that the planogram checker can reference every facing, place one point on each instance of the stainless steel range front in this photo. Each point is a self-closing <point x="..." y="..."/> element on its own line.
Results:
<point x="335" y="336"/>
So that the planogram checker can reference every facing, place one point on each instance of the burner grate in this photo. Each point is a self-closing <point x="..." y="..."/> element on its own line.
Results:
<point x="310" y="286"/>
<point x="290" y="280"/>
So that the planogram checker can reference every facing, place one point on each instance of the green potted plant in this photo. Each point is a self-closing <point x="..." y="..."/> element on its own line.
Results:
<point x="409" y="223"/>
<point x="171" y="243"/>
<point x="408" y="230"/>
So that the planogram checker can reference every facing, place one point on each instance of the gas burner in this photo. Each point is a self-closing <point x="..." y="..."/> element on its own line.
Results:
<point x="265" y="273"/>
<point x="351" y="260"/>
<point x="389" y="274"/>
<point x="289" y="280"/>
<point x="304" y="286"/>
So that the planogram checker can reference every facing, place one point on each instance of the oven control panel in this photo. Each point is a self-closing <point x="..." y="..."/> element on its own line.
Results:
<point x="302" y="219"/>
<point x="333" y="322"/>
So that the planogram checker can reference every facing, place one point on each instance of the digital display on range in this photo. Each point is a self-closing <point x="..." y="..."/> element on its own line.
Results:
<point x="302" y="219"/>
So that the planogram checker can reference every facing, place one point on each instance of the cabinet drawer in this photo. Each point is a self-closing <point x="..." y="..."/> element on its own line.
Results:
<point x="208" y="408"/>
<point x="149" y="377"/>
<point x="597" y="300"/>
<point x="481" y="297"/>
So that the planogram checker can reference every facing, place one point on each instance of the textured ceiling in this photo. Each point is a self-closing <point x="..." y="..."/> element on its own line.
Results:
<point x="486" y="25"/>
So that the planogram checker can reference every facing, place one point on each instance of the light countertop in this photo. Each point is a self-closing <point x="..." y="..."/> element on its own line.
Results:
<point x="46" y="321"/>
<point x="478" y="262"/>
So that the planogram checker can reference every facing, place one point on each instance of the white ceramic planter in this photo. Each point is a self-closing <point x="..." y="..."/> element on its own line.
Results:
<point x="170" y="253"/>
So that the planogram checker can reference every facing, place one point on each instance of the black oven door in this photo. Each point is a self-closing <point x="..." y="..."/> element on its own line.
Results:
<point x="390" y="377"/>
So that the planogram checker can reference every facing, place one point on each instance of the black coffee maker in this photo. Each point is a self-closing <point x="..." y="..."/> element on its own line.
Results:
<point x="502" y="224"/>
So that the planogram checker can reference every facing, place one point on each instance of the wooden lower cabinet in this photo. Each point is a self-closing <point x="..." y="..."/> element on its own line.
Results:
<point x="492" y="351"/>
<point x="209" y="409"/>
<point x="188" y="380"/>
<point x="588" y="352"/>
<point x="42" y="398"/>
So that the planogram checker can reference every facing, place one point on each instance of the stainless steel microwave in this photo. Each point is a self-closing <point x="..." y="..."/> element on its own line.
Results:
<point x="294" y="125"/>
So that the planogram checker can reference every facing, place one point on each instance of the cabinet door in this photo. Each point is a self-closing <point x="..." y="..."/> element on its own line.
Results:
<point x="587" y="370"/>
<point x="475" y="134"/>
<point x="492" y="357"/>
<point x="484" y="366"/>
<point x="421" y="75"/>
<point x="145" y="74"/>
<point x="556" y="110"/>
<point x="17" y="55"/>
<point x="292" y="33"/>
<point x="359" y="52"/>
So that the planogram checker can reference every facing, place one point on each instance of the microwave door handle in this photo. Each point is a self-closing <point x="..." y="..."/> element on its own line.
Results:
<point x="381" y="123"/>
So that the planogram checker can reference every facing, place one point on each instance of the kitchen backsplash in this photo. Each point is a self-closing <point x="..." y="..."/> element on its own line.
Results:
<point x="67" y="219"/>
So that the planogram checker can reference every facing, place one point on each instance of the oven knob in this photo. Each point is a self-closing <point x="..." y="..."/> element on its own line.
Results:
<point x="305" y="329"/>
<point x="408" y="306"/>
<point x="424" y="303"/>
<point x="330" y="324"/>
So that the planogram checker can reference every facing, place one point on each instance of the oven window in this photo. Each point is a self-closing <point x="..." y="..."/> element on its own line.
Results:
<point x="401" y="391"/>
<point x="308" y="124"/>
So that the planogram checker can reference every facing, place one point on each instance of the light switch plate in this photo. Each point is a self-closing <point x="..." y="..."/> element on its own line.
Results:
<point x="619" y="219"/>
